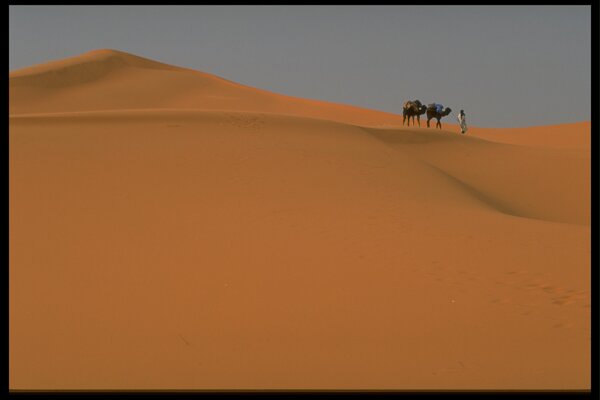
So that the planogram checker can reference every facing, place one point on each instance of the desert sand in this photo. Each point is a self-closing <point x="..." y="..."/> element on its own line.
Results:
<point x="170" y="229"/>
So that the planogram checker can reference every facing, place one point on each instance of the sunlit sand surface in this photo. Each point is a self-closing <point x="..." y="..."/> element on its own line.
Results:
<point x="170" y="229"/>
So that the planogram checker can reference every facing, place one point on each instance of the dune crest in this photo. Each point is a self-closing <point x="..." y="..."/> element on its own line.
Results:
<point x="111" y="79"/>
<point x="84" y="68"/>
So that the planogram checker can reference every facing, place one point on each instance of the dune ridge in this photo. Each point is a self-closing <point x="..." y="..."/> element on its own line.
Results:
<point x="137" y="82"/>
<point x="101" y="57"/>
<point x="517" y="203"/>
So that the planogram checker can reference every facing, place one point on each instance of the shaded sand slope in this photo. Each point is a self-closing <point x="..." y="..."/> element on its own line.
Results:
<point x="240" y="250"/>
<point x="177" y="239"/>
<point x="110" y="79"/>
<point x="533" y="182"/>
<point x="575" y="136"/>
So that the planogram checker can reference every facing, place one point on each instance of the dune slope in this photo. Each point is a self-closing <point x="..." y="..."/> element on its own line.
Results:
<point x="112" y="80"/>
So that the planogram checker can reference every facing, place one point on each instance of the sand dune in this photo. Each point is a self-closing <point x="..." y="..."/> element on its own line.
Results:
<point x="531" y="182"/>
<point x="109" y="80"/>
<point x="174" y="230"/>
<point x="565" y="136"/>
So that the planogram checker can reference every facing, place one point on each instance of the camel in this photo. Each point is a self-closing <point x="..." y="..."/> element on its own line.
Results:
<point x="412" y="109"/>
<point x="432" y="112"/>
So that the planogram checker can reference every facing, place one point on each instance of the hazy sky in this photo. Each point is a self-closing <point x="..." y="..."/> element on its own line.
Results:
<point x="504" y="65"/>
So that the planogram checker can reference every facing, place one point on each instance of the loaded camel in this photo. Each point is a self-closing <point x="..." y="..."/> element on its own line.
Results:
<point x="412" y="109"/>
<point x="436" y="111"/>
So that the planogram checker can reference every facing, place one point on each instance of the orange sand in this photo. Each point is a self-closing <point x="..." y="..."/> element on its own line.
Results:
<point x="173" y="230"/>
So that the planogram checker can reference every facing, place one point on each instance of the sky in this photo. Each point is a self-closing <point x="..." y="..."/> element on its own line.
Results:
<point x="506" y="66"/>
